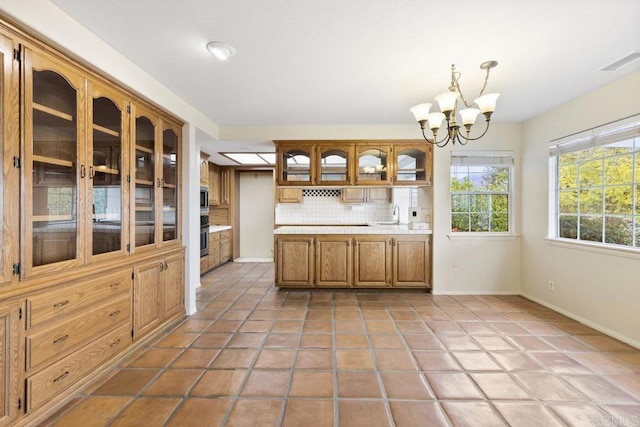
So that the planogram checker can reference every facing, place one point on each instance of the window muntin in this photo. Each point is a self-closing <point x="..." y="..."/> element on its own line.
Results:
<point x="481" y="193"/>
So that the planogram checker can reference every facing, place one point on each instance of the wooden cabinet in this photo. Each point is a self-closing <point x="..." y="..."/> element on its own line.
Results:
<point x="11" y="362"/>
<point x="220" y="250"/>
<point x="356" y="260"/>
<point x="334" y="165"/>
<point x="373" y="163"/>
<point x="295" y="165"/>
<point x="158" y="292"/>
<point x="214" y="185"/>
<point x="295" y="261"/>
<point x="333" y="262"/>
<point x="289" y="195"/>
<point x="226" y="246"/>
<point x="411" y="261"/>
<point x="204" y="169"/>
<point x="225" y="186"/>
<point x="372" y="261"/>
<point x="365" y="195"/>
<point x="412" y="164"/>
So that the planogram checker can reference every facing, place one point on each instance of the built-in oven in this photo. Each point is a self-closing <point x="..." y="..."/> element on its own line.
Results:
<point x="204" y="199"/>
<point x="204" y="234"/>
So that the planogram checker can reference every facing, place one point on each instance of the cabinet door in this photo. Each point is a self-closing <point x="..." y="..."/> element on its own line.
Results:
<point x="411" y="264"/>
<point x="145" y="133"/>
<point x="147" y="297"/>
<point x="353" y="195"/>
<point x="54" y="132"/>
<point x="9" y="148"/>
<point x="289" y="195"/>
<point x="10" y="356"/>
<point x="107" y="188"/>
<point x="294" y="257"/>
<point x="170" y="187"/>
<point x="412" y="164"/>
<point x="226" y="247"/>
<point x="204" y="169"/>
<point x="334" y="165"/>
<point x="295" y="165"/>
<point x="373" y="165"/>
<point x="214" y="185"/>
<point x="225" y="186"/>
<point x="372" y="261"/>
<point x="173" y="286"/>
<point x="379" y="195"/>
<point x="333" y="261"/>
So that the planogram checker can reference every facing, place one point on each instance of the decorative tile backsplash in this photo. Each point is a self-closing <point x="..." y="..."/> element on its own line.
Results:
<point x="325" y="208"/>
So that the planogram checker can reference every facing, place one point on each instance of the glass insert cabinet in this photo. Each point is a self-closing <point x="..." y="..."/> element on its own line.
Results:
<point x="98" y="181"/>
<point x="353" y="162"/>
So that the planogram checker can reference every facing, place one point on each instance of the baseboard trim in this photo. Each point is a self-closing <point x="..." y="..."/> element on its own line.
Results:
<point x="598" y="327"/>
<point x="454" y="293"/>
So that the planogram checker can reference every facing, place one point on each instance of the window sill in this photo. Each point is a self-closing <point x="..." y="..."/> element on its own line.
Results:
<point x="482" y="236"/>
<point x="599" y="248"/>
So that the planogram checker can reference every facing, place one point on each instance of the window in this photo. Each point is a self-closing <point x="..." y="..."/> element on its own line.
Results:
<point x="481" y="192"/>
<point x="596" y="183"/>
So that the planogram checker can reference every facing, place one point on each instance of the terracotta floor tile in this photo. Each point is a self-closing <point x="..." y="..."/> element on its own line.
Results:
<point x="349" y="327"/>
<point x="490" y="315"/>
<point x="493" y="343"/>
<point x="195" y="358"/>
<point x="173" y="382"/>
<point x="476" y="361"/>
<point x="529" y="414"/>
<point x="542" y="329"/>
<point x="319" y="315"/>
<point x="371" y="314"/>
<point x="314" y="359"/>
<point x="605" y="343"/>
<point x="275" y="359"/>
<point x="246" y="340"/>
<point x="600" y="390"/>
<point x="177" y="340"/>
<point x="395" y="360"/>
<point x="316" y="341"/>
<point x="601" y="363"/>
<point x="548" y="387"/>
<point x="445" y="327"/>
<point x="472" y="414"/>
<point x="234" y="358"/>
<point x="317" y="327"/>
<point x="351" y="341"/>
<point x="458" y="342"/>
<point x="93" y="411"/>
<point x="312" y="384"/>
<point x="263" y="315"/>
<point x="580" y="414"/>
<point x="623" y="415"/>
<point x="211" y="340"/>
<point x="219" y="383"/>
<point x="224" y="326"/>
<point x="517" y="361"/>
<point x="423" y="342"/>
<point x="375" y="327"/>
<point x="432" y="315"/>
<point x="288" y="326"/>
<point x="560" y="363"/>
<point x="235" y="314"/>
<point x="530" y="343"/>
<point x="149" y="412"/>
<point x="508" y="328"/>
<point x="405" y="386"/>
<point x="630" y="383"/>
<point x="193" y="325"/>
<point x="281" y="341"/>
<point x="295" y="314"/>
<point x="574" y="328"/>
<point x="567" y="343"/>
<point x="417" y="414"/>
<point x="316" y="413"/>
<point x="436" y="361"/>
<point x="630" y="359"/>
<point x="387" y="342"/>
<point x="363" y="413"/>
<point x="246" y="412"/>
<point x="255" y="326"/>
<point x="358" y="385"/>
<point x="453" y="386"/>
<point x="196" y="412"/>
<point x="412" y="328"/>
<point x="266" y="383"/>
<point x="476" y="328"/>
<point x="500" y="386"/>
<point x="354" y="359"/>
<point x="155" y="358"/>
<point x="127" y="382"/>
<point x="347" y="315"/>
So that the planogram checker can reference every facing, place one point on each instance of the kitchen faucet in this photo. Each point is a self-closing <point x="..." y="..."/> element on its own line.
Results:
<point x="396" y="210"/>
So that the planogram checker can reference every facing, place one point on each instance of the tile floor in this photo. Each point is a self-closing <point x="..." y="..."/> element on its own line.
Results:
<point x="257" y="356"/>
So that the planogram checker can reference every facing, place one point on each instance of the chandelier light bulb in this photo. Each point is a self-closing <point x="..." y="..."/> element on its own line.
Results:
<point x="435" y="120"/>
<point x="469" y="115"/>
<point x="487" y="103"/>
<point x="421" y="111"/>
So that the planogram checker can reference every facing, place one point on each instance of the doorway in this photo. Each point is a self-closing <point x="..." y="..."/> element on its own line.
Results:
<point x="256" y="216"/>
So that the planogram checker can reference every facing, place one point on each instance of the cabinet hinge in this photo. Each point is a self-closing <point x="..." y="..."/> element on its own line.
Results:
<point x="132" y="333"/>
<point x="19" y="403"/>
<point x="16" y="55"/>
<point x="16" y="268"/>
<point x="20" y="313"/>
<point x="16" y="162"/>
<point x="129" y="109"/>
<point x="128" y="247"/>
<point x="133" y="275"/>
<point x="128" y="178"/>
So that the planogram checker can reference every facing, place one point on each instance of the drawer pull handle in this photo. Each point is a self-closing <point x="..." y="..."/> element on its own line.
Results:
<point x="61" y="304"/>
<point x="114" y="285"/>
<point x="116" y="342"/>
<point x="61" y="339"/>
<point x="115" y="313"/>
<point x="61" y="377"/>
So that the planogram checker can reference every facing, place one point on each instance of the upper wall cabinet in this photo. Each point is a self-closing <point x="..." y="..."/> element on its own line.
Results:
<point x="9" y="150"/>
<point x="373" y="165"/>
<point x="412" y="164"/>
<point x="170" y="182"/>
<point x="334" y="165"/>
<point x="295" y="165"/>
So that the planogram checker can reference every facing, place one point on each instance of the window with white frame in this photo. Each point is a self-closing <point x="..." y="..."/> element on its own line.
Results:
<point x="481" y="189"/>
<point x="596" y="184"/>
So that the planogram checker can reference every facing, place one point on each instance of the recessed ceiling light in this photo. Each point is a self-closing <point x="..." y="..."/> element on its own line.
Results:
<point x="221" y="50"/>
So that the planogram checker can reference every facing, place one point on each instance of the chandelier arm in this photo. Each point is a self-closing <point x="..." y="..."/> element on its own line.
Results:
<point x="476" y="138"/>
<point x="430" y="141"/>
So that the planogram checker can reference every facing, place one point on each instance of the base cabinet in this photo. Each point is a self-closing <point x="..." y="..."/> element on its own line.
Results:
<point x="353" y="261"/>
<point x="11" y="327"/>
<point x="220" y="250"/>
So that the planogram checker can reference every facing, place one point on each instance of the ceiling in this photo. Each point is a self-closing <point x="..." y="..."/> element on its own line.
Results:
<point x="364" y="62"/>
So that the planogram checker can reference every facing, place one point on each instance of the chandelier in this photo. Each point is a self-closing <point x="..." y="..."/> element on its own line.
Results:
<point x="448" y="103"/>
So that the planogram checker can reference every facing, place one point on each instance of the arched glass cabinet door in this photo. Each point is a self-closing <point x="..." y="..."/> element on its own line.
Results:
<point x="296" y="166"/>
<point x="170" y="199"/>
<point x="107" y="151"/>
<point x="145" y="178"/>
<point x="52" y="168"/>
<point x="412" y="164"/>
<point x="373" y="165"/>
<point x="334" y="165"/>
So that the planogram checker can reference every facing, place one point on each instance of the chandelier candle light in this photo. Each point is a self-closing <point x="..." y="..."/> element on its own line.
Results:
<point x="448" y="103"/>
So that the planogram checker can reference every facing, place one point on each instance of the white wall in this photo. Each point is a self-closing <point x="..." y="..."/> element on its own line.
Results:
<point x="256" y="214"/>
<point x="598" y="287"/>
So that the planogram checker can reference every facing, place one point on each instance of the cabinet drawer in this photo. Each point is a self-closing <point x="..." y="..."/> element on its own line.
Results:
<point x="214" y="236"/>
<point x="44" y="307"/>
<point x="47" y="383"/>
<point x="57" y="340"/>
<point x="225" y="235"/>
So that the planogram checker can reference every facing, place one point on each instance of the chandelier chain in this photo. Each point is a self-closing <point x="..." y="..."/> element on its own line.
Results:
<point x="455" y="76"/>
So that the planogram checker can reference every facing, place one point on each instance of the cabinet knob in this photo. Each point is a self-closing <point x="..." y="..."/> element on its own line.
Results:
<point x="162" y="266"/>
<point x="61" y="377"/>
<point x="61" y="339"/>
<point x="115" y="313"/>
<point x="61" y="304"/>
<point x="92" y="173"/>
<point x="83" y="171"/>
<point x="116" y="342"/>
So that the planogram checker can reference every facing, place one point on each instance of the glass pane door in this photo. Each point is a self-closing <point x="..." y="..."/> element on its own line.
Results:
<point x="54" y="201"/>
<point x="411" y="165"/>
<point x="333" y="165"/>
<point x="145" y="179"/>
<point x="373" y="165"/>
<point x="296" y="166"/>
<point x="169" y="185"/>
<point x="106" y="176"/>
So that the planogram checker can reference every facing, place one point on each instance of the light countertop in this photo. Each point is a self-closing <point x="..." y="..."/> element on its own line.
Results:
<point x="348" y="229"/>
<point x="216" y="228"/>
